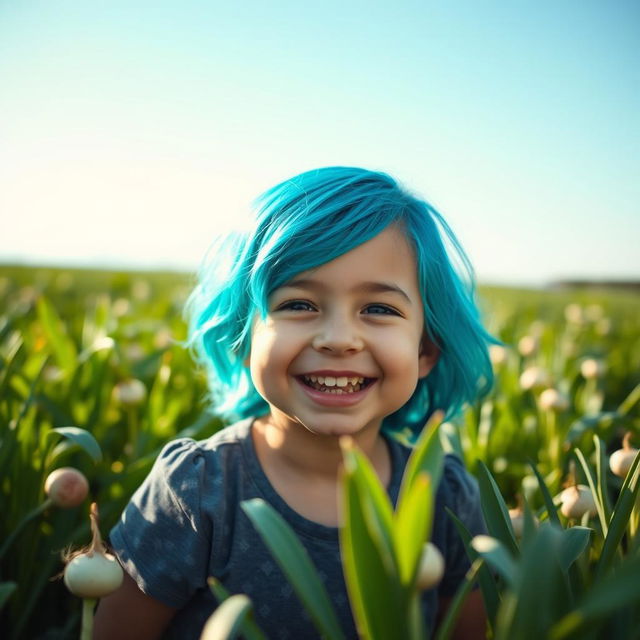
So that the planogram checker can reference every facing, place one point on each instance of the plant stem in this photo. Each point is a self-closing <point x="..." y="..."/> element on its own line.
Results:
<point x="86" y="629"/>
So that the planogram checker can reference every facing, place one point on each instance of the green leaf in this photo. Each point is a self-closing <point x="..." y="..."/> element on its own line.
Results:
<point x="621" y="588"/>
<point x="379" y="609"/>
<point x="295" y="563"/>
<point x="594" y="487"/>
<point x="6" y="589"/>
<point x="627" y="404"/>
<point x="249" y="628"/>
<point x="82" y="438"/>
<point x="412" y="527"/>
<point x="542" y="594"/>
<point x="552" y="510"/>
<point x="226" y="621"/>
<point x="427" y="456"/>
<point x="377" y="507"/>
<point x="573" y="542"/>
<point x="486" y="579"/>
<point x="448" y="623"/>
<point x="530" y="525"/>
<point x="497" y="555"/>
<point x="495" y="510"/>
<point x="620" y="517"/>
<point x="601" y="475"/>
<point x="61" y="345"/>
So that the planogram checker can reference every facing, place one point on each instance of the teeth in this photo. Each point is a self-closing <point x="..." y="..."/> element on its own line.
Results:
<point x="331" y="384"/>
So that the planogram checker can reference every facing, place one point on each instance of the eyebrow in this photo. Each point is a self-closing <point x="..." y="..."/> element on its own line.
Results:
<point x="365" y="287"/>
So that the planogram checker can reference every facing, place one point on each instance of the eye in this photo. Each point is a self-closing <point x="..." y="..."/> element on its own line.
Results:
<point x="296" y="305"/>
<point x="380" y="309"/>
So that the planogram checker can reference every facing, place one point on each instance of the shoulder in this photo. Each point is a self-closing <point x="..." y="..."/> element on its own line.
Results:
<point x="185" y="454"/>
<point x="186" y="472"/>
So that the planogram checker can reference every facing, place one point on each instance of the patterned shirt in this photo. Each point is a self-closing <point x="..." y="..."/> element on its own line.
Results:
<point x="185" y="523"/>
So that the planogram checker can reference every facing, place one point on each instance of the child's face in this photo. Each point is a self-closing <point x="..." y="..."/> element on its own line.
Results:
<point x="342" y="344"/>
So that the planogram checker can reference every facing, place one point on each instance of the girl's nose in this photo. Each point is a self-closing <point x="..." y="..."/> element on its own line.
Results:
<point x="337" y="336"/>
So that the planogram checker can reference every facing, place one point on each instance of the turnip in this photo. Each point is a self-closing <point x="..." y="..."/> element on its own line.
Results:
<point x="534" y="378"/>
<point x="431" y="567"/>
<point x="592" y="368"/>
<point x="577" y="500"/>
<point x="553" y="400"/>
<point x="528" y="345"/>
<point x="516" y="516"/>
<point x="92" y="573"/>
<point x="130" y="393"/>
<point x="621" y="460"/>
<point x="66" y="487"/>
<point x="497" y="354"/>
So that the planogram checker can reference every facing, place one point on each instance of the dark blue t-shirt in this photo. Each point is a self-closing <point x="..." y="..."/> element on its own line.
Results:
<point x="185" y="524"/>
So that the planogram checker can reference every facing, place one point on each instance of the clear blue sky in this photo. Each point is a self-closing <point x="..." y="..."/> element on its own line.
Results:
<point x="131" y="131"/>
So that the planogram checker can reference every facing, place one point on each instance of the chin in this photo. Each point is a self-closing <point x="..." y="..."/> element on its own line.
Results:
<point x="334" y="430"/>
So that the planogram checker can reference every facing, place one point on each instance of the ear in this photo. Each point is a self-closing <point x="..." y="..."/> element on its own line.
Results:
<point x="429" y="354"/>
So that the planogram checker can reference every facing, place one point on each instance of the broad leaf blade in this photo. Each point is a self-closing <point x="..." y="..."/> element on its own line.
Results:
<point x="552" y="510"/>
<point x="412" y="526"/>
<point x="620" y="517"/>
<point x="607" y="596"/>
<point x="573" y="543"/>
<point x="486" y="579"/>
<point x="497" y="556"/>
<point x="495" y="510"/>
<point x="61" y="345"/>
<point x="542" y="595"/>
<point x="594" y="487"/>
<point x="377" y="507"/>
<point x="375" y="598"/>
<point x="426" y="457"/>
<point x="83" y="439"/>
<point x="6" y="589"/>
<point x="295" y="563"/>
<point x="226" y="621"/>
<point x="248" y="628"/>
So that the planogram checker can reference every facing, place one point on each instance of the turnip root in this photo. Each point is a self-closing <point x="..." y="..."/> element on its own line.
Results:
<point x="66" y="487"/>
<point x="621" y="460"/>
<point x="92" y="573"/>
<point x="576" y="501"/>
<point x="431" y="567"/>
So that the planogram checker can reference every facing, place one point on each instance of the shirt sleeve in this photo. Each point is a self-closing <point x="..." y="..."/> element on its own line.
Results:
<point x="162" y="539"/>
<point x="462" y="496"/>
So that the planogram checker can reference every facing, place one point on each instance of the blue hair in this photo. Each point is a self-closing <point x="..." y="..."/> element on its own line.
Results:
<point x="305" y="222"/>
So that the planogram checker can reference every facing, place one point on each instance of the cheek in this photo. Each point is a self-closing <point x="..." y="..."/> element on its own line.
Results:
<point x="267" y="358"/>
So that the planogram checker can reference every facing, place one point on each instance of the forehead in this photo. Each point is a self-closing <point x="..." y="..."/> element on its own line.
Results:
<point x="387" y="260"/>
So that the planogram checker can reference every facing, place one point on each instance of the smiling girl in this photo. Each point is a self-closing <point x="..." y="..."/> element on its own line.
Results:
<point x="340" y="313"/>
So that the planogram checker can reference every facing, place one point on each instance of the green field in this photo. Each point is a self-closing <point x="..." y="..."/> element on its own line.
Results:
<point x="68" y="338"/>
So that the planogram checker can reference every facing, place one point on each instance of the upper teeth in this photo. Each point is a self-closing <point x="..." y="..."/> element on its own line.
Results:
<point x="331" y="381"/>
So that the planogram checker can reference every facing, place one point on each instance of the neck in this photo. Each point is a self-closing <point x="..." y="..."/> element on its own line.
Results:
<point x="304" y="467"/>
<point x="309" y="455"/>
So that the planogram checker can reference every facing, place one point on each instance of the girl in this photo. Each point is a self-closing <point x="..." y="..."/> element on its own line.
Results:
<point x="339" y="314"/>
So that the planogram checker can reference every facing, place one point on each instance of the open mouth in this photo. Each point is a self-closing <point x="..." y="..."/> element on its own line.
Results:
<point x="336" y="385"/>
